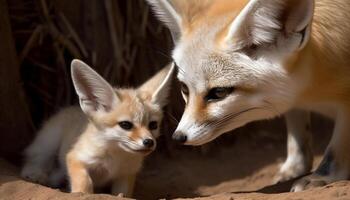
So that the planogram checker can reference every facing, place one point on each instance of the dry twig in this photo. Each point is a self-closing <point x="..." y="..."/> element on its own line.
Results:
<point x="31" y="42"/>
<point x="74" y="35"/>
<point x="55" y="33"/>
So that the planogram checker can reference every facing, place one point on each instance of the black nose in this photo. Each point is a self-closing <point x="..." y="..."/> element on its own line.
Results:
<point x="148" y="143"/>
<point x="180" y="137"/>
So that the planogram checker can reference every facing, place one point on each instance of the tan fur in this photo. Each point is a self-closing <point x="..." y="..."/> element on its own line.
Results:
<point x="135" y="134"/>
<point x="74" y="142"/>
<point x="93" y="149"/>
<point x="198" y="12"/>
<point x="278" y="55"/>
<point x="131" y="101"/>
<point x="80" y="178"/>
<point x="200" y="109"/>
<point x="327" y="54"/>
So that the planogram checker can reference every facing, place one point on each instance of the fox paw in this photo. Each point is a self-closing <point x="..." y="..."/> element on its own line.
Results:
<point x="310" y="181"/>
<point x="121" y="195"/>
<point x="289" y="171"/>
<point x="34" y="175"/>
<point x="284" y="176"/>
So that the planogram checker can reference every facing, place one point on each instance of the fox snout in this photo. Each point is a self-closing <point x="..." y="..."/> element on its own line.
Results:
<point x="192" y="133"/>
<point x="139" y="140"/>
<point x="148" y="143"/>
<point x="144" y="141"/>
<point x="180" y="137"/>
<point x="142" y="145"/>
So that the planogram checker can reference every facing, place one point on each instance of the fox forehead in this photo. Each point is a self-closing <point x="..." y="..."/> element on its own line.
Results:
<point x="205" y="62"/>
<point x="203" y="66"/>
<point x="132" y="107"/>
<point x="190" y="54"/>
<point x="201" y="59"/>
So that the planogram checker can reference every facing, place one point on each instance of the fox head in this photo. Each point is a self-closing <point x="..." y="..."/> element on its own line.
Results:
<point x="235" y="60"/>
<point x="127" y="117"/>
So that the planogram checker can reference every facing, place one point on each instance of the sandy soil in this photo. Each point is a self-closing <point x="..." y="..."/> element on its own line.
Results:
<point x="13" y="188"/>
<point x="248" y="161"/>
<point x="237" y="169"/>
<point x="249" y="165"/>
<point x="336" y="191"/>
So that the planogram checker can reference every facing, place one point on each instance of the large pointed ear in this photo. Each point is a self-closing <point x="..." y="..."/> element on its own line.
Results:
<point x="157" y="88"/>
<point x="168" y="15"/>
<point x="95" y="94"/>
<point x="278" y="22"/>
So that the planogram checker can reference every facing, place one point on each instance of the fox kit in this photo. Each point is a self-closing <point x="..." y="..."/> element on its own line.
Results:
<point x="106" y="140"/>
<point x="240" y="61"/>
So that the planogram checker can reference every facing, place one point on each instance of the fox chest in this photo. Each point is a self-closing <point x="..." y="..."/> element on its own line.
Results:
<point x="107" y="169"/>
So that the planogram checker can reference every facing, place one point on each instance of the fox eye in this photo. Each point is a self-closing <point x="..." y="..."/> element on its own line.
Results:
<point x="126" y="125"/>
<point x="219" y="93"/>
<point x="184" y="89"/>
<point x="153" y="125"/>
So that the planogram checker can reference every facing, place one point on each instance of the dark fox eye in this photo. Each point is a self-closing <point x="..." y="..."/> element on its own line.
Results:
<point x="219" y="93"/>
<point x="126" y="125"/>
<point x="153" y="125"/>
<point x="184" y="89"/>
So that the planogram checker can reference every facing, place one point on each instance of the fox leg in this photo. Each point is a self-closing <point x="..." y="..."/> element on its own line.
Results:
<point x="37" y="168"/>
<point x="124" y="186"/>
<point x="57" y="177"/>
<point x="79" y="177"/>
<point x="336" y="162"/>
<point x="299" y="159"/>
<point x="40" y="156"/>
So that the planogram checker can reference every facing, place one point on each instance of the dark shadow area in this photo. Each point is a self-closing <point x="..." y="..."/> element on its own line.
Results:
<point x="276" y="188"/>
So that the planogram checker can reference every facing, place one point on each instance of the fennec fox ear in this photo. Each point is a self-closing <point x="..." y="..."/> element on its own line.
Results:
<point x="278" y="22"/>
<point x="157" y="88"/>
<point x="95" y="94"/>
<point x="168" y="15"/>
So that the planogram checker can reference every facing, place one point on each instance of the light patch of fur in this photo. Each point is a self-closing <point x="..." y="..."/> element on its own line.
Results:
<point x="300" y="156"/>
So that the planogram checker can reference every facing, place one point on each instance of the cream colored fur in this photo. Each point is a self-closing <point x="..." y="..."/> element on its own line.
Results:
<point x="278" y="55"/>
<point x="91" y="148"/>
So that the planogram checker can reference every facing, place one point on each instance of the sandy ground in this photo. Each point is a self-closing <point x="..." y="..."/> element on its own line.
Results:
<point x="249" y="165"/>
<point x="239" y="168"/>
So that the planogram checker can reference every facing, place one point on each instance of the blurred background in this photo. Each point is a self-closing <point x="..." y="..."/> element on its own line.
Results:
<point x="125" y="43"/>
